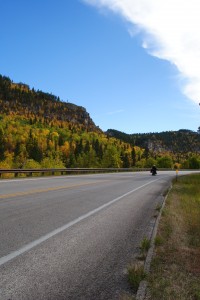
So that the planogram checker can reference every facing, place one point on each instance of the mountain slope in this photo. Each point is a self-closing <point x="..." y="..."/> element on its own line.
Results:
<point x="177" y="143"/>
<point x="18" y="99"/>
<point x="38" y="130"/>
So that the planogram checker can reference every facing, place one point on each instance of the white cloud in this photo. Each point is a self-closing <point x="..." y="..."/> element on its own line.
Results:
<point x="170" y="30"/>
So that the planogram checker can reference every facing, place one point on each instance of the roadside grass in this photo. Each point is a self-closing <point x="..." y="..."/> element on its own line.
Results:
<point x="175" y="269"/>
<point x="144" y="247"/>
<point x="136" y="274"/>
<point x="135" y="271"/>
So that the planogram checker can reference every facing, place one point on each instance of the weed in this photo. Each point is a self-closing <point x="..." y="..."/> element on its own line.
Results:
<point x="144" y="246"/>
<point x="158" y="241"/>
<point x="164" y="212"/>
<point x="168" y="230"/>
<point x="135" y="275"/>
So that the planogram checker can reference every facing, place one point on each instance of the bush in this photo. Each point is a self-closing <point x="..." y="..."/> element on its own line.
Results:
<point x="194" y="162"/>
<point x="31" y="164"/>
<point x="165" y="162"/>
<point x="5" y="165"/>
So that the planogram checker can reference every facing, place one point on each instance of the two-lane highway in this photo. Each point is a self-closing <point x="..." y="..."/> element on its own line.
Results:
<point x="72" y="237"/>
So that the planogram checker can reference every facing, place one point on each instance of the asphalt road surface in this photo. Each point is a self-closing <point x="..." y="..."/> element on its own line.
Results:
<point x="72" y="237"/>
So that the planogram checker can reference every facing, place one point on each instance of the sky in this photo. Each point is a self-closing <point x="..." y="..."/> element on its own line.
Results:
<point x="134" y="65"/>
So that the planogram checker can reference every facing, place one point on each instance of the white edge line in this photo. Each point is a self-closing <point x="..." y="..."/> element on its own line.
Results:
<point x="42" y="239"/>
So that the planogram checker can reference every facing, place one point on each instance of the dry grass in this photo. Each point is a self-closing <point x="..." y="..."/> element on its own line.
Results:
<point x="175" y="271"/>
<point x="144" y="248"/>
<point x="136" y="274"/>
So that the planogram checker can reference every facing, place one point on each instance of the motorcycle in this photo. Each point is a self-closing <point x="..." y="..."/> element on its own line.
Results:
<point x="153" y="171"/>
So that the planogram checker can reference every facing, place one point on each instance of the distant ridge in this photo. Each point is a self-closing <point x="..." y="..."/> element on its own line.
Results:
<point x="177" y="143"/>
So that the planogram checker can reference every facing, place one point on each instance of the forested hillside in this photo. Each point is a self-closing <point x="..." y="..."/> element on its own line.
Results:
<point x="38" y="130"/>
<point x="37" y="106"/>
<point x="181" y="145"/>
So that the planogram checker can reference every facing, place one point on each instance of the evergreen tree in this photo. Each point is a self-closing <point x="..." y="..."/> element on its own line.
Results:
<point x="133" y="155"/>
<point x="34" y="151"/>
<point x="126" y="161"/>
<point x="87" y="147"/>
<point x="2" y="144"/>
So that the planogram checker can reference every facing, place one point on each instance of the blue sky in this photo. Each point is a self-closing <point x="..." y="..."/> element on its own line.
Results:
<point x="105" y="56"/>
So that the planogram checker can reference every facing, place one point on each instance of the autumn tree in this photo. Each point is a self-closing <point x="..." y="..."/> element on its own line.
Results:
<point x="111" y="158"/>
<point x="165" y="162"/>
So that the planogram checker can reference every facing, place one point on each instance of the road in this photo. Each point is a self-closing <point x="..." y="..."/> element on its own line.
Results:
<point x="72" y="237"/>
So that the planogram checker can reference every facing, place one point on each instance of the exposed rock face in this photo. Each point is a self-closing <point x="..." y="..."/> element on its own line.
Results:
<point x="19" y="99"/>
<point x="181" y="141"/>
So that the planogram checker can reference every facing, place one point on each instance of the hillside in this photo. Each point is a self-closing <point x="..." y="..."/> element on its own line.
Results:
<point x="178" y="144"/>
<point x="19" y="99"/>
<point x="38" y="130"/>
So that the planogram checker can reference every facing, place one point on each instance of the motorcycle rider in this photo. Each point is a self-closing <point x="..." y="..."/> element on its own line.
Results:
<point x="154" y="170"/>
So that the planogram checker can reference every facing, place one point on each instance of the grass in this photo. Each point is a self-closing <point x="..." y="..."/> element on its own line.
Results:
<point x="136" y="274"/>
<point x="136" y="271"/>
<point x="175" y="269"/>
<point x="144" y="247"/>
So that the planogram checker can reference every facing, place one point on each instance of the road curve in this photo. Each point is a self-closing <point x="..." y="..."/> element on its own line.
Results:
<point x="72" y="237"/>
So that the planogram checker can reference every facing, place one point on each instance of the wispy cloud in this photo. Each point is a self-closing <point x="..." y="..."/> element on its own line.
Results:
<point x="115" y="112"/>
<point x="170" y="31"/>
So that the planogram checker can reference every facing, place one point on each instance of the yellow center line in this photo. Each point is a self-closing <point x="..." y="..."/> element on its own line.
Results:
<point x="31" y="192"/>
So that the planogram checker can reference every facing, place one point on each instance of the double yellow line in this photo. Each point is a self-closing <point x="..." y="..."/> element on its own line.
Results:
<point x="31" y="192"/>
